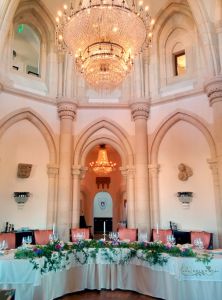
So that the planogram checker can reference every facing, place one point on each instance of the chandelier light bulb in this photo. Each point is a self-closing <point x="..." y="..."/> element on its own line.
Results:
<point x="104" y="30"/>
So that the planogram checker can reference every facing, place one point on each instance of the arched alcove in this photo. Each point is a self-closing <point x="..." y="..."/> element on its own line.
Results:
<point x="32" y="122"/>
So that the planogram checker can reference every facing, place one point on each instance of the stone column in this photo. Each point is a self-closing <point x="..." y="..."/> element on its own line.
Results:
<point x="53" y="171"/>
<point x="129" y="174"/>
<point x="213" y="89"/>
<point x="217" y="239"/>
<point x="77" y="174"/>
<point x="140" y="112"/>
<point x="154" y="194"/>
<point x="146" y="72"/>
<point x="67" y="112"/>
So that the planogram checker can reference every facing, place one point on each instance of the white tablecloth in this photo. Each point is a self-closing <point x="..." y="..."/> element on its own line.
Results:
<point x="179" y="279"/>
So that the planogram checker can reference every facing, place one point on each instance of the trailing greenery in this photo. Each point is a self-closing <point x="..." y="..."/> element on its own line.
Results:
<point x="58" y="255"/>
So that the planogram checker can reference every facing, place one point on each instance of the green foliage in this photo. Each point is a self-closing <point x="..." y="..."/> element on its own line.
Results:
<point x="58" y="255"/>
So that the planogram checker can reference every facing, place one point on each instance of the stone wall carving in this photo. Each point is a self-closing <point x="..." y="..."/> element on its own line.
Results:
<point x="184" y="172"/>
<point x="24" y="170"/>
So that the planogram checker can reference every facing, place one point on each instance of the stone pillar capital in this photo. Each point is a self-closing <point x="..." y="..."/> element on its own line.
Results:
<point x="213" y="89"/>
<point x="128" y="171"/>
<point x="66" y="109"/>
<point x="52" y="170"/>
<point x="78" y="171"/>
<point x="140" y="110"/>
<point x="154" y="169"/>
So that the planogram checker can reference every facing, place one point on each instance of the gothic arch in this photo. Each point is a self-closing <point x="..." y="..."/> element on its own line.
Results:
<point x="173" y="119"/>
<point x="36" y="120"/>
<point x="119" y="142"/>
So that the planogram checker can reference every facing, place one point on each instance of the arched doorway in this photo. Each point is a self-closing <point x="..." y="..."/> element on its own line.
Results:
<point x="102" y="212"/>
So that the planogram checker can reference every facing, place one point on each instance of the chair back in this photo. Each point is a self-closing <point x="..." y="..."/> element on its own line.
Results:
<point x="79" y="231"/>
<point x="10" y="238"/>
<point x="162" y="235"/>
<point x="204" y="236"/>
<point x="42" y="236"/>
<point x="129" y="234"/>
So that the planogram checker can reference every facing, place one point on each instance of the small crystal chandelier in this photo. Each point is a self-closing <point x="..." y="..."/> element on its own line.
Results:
<point x="104" y="36"/>
<point x="102" y="165"/>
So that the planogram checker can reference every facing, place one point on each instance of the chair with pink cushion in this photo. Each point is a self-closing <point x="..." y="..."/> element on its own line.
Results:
<point x="129" y="234"/>
<point x="10" y="238"/>
<point x="42" y="236"/>
<point x="205" y="236"/>
<point x="162" y="235"/>
<point x="79" y="231"/>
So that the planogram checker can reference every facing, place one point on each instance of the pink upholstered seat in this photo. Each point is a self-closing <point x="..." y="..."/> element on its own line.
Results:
<point x="162" y="236"/>
<point x="10" y="238"/>
<point x="42" y="236"/>
<point x="128" y="234"/>
<point x="205" y="237"/>
<point x="76" y="231"/>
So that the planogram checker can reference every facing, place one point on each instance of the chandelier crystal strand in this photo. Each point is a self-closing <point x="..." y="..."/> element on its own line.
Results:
<point x="102" y="165"/>
<point x="104" y="36"/>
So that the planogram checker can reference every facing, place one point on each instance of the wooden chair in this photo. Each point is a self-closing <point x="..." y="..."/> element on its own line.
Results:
<point x="75" y="231"/>
<point x="7" y="294"/>
<point x="10" y="238"/>
<point x="205" y="236"/>
<point x="129" y="234"/>
<point x="42" y="236"/>
<point x="162" y="235"/>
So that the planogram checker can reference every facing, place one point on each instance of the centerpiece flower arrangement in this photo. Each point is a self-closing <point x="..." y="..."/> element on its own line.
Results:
<point x="57" y="255"/>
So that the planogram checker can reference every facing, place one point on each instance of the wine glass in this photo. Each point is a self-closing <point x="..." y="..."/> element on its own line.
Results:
<point x="1" y="247"/>
<point x="24" y="241"/>
<point x="29" y="239"/>
<point x="5" y="244"/>
<point x="198" y="243"/>
<point x="171" y="239"/>
<point x="143" y="236"/>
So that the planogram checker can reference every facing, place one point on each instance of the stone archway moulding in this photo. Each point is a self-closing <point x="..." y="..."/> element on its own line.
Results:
<point x="195" y="10"/>
<point x="97" y="140"/>
<point x="36" y="120"/>
<point x="120" y="143"/>
<point x="167" y="124"/>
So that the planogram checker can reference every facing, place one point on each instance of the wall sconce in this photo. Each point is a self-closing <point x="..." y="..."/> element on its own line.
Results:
<point x="185" y="198"/>
<point x="21" y="198"/>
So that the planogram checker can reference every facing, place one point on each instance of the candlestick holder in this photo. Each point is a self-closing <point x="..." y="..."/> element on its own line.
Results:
<point x="104" y="236"/>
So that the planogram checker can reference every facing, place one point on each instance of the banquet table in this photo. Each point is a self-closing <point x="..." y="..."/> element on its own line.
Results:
<point x="179" y="279"/>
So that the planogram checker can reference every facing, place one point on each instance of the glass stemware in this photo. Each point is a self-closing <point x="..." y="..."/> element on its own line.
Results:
<point x="114" y="236"/>
<point x="171" y="239"/>
<point x="198" y="244"/>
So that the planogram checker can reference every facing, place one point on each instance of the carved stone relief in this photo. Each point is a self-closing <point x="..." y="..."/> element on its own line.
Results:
<point x="24" y="170"/>
<point x="184" y="172"/>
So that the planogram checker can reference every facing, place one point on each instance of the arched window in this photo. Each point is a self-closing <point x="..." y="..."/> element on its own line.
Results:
<point x="179" y="60"/>
<point x="26" y="50"/>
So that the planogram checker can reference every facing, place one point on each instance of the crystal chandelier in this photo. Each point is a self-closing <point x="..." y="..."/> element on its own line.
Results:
<point x="102" y="165"/>
<point x="104" y="36"/>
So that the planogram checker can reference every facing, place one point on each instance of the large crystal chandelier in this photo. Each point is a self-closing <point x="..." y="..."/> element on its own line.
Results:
<point x="104" y="36"/>
<point x="102" y="166"/>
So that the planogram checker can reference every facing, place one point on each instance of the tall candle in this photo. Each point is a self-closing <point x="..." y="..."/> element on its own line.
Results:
<point x="104" y="227"/>
<point x="157" y="228"/>
<point x="53" y="228"/>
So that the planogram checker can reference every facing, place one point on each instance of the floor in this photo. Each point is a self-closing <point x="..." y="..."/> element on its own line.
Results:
<point x="106" y="295"/>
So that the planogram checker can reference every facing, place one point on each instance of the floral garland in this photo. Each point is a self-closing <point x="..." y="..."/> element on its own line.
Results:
<point x="58" y="255"/>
